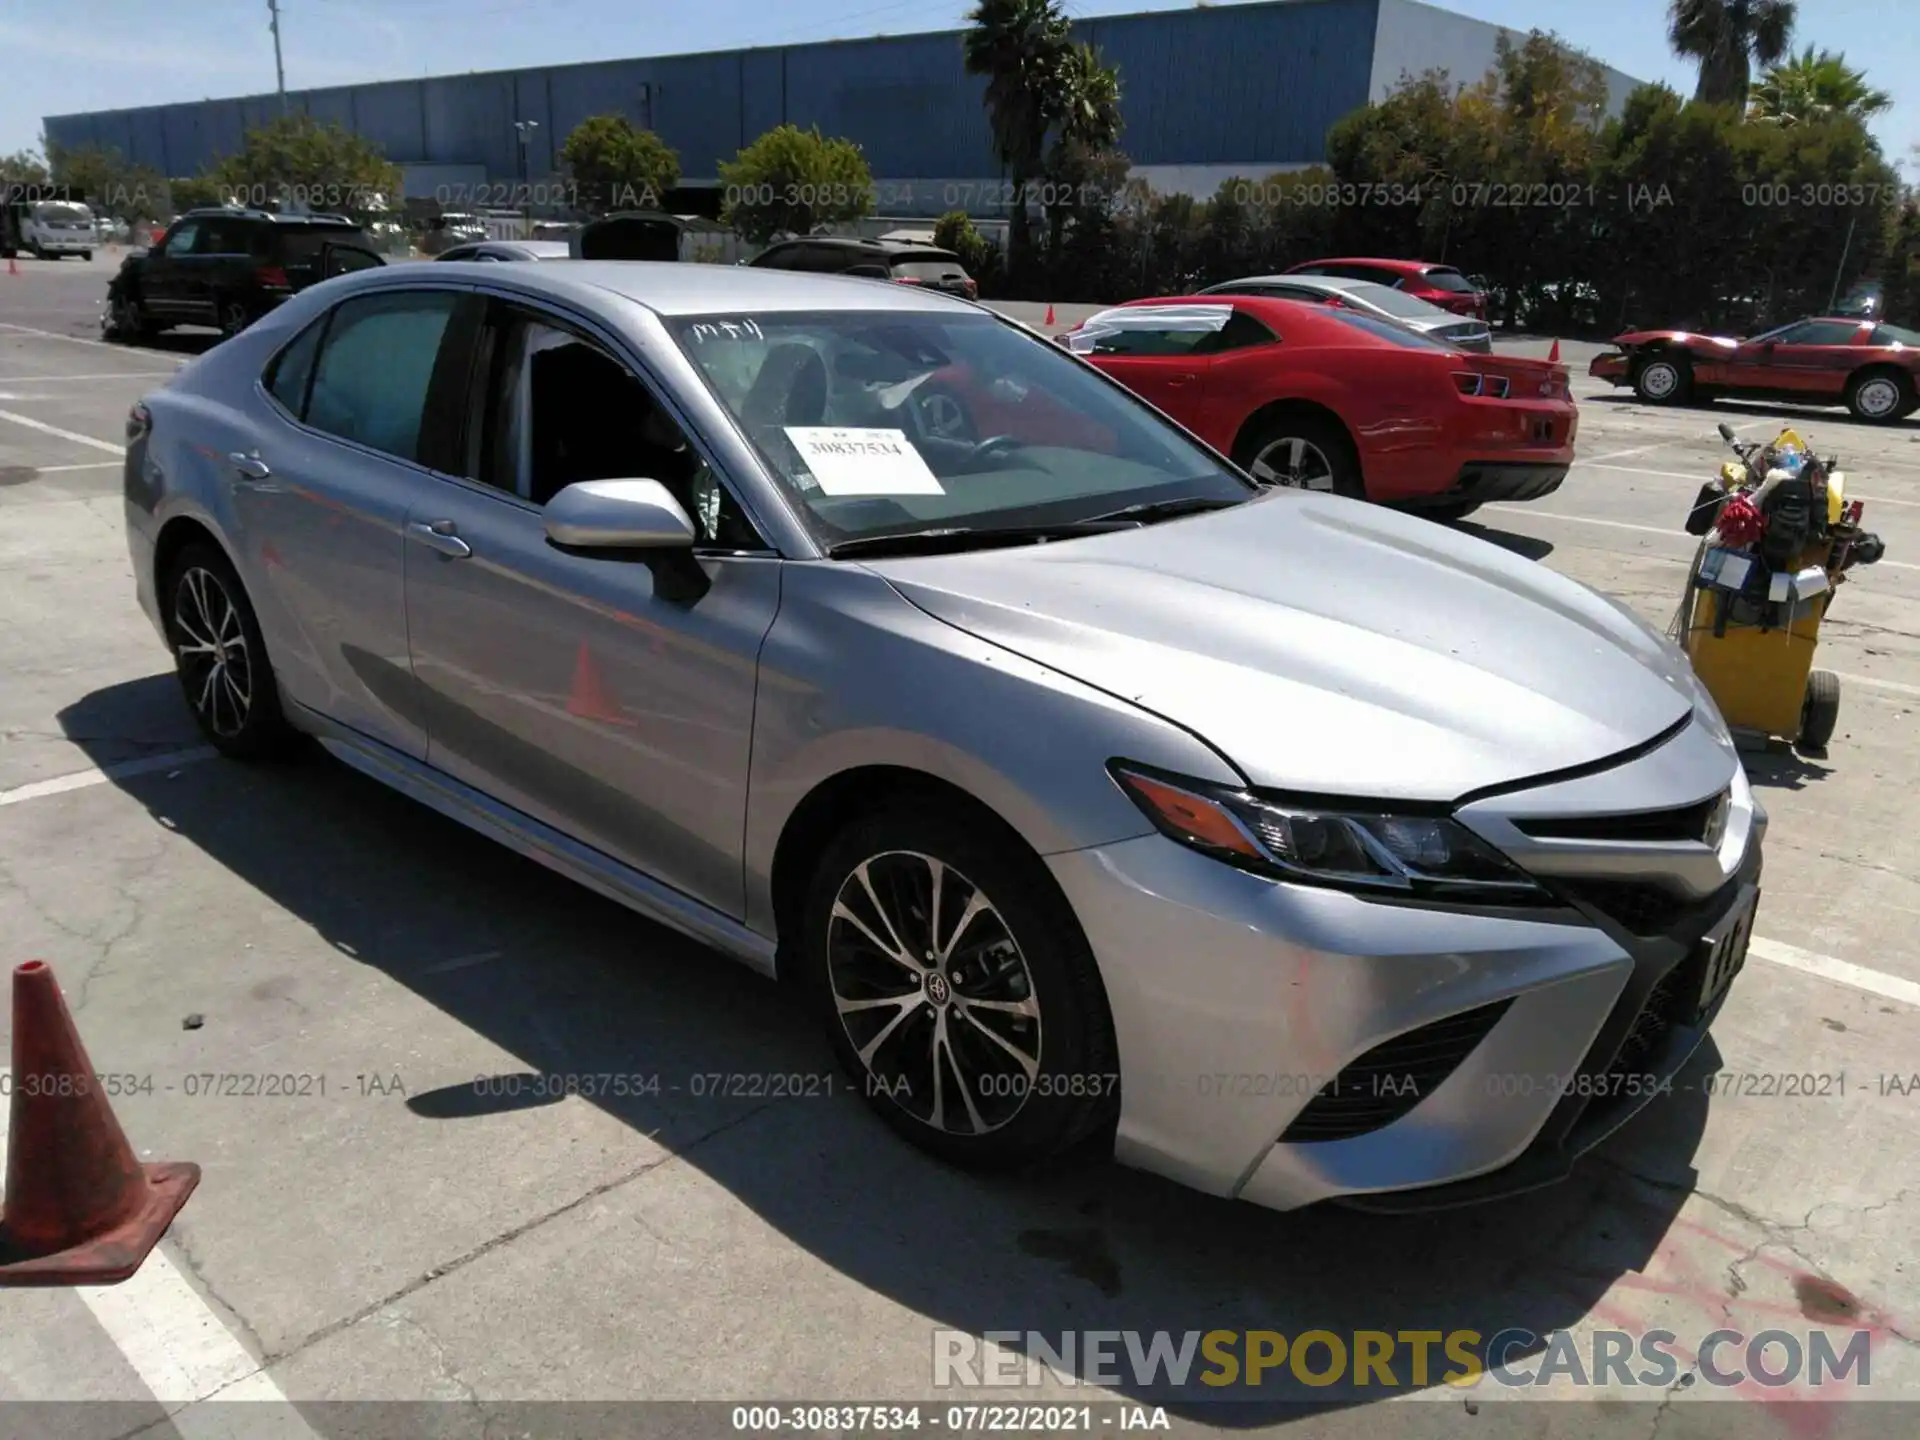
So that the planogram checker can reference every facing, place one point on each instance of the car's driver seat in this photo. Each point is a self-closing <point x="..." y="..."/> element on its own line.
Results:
<point x="791" y="388"/>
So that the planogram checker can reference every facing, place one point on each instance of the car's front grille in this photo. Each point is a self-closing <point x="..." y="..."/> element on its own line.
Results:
<point x="1688" y="822"/>
<point x="1389" y="1080"/>
<point x="1668" y="1004"/>
<point x="1636" y="906"/>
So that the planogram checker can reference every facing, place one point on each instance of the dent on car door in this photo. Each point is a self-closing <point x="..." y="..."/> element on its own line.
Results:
<point x="608" y="695"/>
<point x="321" y="503"/>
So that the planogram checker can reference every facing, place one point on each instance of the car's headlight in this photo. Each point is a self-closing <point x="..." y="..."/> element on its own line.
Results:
<point x="1407" y="853"/>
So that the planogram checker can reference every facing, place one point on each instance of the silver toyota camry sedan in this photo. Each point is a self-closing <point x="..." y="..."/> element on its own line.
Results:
<point x="1094" y="798"/>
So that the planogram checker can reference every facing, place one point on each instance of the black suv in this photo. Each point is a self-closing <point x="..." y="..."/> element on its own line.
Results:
<point x="894" y="260"/>
<point x="226" y="268"/>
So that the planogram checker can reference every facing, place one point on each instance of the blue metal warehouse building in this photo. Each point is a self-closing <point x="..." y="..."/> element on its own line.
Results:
<point x="1208" y="93"/>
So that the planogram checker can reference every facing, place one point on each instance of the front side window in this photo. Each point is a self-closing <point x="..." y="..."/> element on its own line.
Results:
<point x="1151" y="330"/>
<point x="181" y="238"/>
<point x="1815" y="332"/>
<point x="883" y="422"/>
<point x="371" y="381"/>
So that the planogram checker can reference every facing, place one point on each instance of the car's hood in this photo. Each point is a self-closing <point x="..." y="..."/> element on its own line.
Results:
<point x="1674" y="337"/>
<point x="1328" y="646"/>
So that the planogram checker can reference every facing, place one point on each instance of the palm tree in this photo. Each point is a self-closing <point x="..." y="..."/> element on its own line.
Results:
<point x="1810" y="85"/>
<point x="1728" y="37"/>
<point x="1088" y="128"/>
<point x="1022" y="47"/>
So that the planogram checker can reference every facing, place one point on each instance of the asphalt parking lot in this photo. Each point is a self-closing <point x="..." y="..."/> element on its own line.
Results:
<point x="392" y="1233"/>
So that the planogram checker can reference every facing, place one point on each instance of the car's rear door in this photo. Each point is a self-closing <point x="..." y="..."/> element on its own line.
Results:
<point x="321" y="502"/>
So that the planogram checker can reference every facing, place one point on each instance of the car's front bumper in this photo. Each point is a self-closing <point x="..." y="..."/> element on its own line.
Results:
<point x="1240" y="1005"/>
<point x="1611" y="367"/>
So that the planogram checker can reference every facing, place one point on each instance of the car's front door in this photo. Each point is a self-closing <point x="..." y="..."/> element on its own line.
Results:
<point x="610" y="694"/>
<point x="220" y="260"/>
<point x="1819" y="361"/>
<point x="1158" y="352"/>
<point x="321" y="502"/>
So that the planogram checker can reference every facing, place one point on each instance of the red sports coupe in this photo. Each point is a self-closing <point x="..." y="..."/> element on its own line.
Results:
<point x="1868" y="367"/>
<point x="1335" y="400"/>
<point x="1440" y="285"/>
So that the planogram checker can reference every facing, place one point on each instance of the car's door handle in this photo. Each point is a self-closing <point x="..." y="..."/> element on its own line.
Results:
<point x="439" y="534"/>
<point x="1176" y="381"/>
<point x="251" y="466"/>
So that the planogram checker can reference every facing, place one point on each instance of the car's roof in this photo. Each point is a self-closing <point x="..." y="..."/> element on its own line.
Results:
<point x="670" y="287"/>
<point x="272" y="217"/>
<point x="896" y="248"/>
<point x="1271" y="308"/>
<point x="1305" y="282"/>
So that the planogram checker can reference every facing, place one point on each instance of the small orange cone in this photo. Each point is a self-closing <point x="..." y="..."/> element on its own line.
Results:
<point x="588" y="699"/>
<point x="13" y="266"/>
<point x="80" y="1209"/>
<point x="1049" y="319"/>
<point x="1553" y="357"/>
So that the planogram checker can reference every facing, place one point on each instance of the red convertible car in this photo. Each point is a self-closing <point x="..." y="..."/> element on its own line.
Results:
<point x="1868" y="367"/>
<point x="1335" y="400"/>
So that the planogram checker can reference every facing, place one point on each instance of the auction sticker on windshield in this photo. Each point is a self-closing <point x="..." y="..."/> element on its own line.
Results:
<point x="863" y="462"/>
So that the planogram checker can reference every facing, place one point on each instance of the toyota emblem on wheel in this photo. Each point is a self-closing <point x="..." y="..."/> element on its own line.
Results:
<point x="937" y="990"/>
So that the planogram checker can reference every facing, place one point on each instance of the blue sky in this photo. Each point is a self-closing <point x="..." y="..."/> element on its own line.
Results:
<point x="106" y="54"/>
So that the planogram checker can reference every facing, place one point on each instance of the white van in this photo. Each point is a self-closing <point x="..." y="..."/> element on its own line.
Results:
<point x="54" y="228"/>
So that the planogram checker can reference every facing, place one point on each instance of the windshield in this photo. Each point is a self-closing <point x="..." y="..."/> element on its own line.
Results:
<point x="1452" y="281"/>
<point x="62" y="214"/>
<point x="885" y="422"/>
<point x="1394" y="302"/>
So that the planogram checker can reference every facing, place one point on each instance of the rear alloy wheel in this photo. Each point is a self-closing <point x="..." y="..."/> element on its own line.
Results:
<point x="1662" y="380"/>
<point x="1303" y="452"/>
<point x="958" y="991"/>
<point x="221" y="658"/>
<point x="1879" y="396"/>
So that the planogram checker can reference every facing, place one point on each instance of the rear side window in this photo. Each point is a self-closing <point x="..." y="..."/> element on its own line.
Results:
<point x="1387" y="330"/>
<point x="930" y="267"/>
<point x="288" y="376"/>
<point x="223" y="237"/>
<point x="370" y="385"/>
<point x="1452" y="281"/>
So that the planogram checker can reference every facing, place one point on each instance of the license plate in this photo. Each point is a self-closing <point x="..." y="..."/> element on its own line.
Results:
<point x="1726" y="953"/>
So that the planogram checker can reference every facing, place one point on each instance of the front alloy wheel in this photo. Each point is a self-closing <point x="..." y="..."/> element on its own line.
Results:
<point x="233" y="318"/>
<point x="1877" y="398"/>
<point x="957" y="987"/>
<point x="933" y="993"/>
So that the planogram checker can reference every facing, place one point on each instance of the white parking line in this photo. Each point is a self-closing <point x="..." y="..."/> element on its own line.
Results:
<point x="55" y="430"/>
<point x="1699" y="479"/>
<point x="77" y="340"/>
<point x="1663" y="444"/>
<point x="90" y="465"/>
<point x="110" y="375"/>
<point x="1874" y="982"/>
<point x="183" y="1352"/>
<point x="1610" y="524"/>
<point x="104" y="775"/>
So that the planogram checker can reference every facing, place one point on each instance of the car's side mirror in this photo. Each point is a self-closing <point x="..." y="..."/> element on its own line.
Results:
<point x="1726" y="432"/>
<point x="618" y="515"/>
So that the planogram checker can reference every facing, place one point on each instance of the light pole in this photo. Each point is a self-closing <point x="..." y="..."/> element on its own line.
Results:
<point x="279" y="70"/>
<point x="526" y="129"/>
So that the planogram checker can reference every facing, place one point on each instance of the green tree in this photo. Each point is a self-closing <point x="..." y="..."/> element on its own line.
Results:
<point x="955" y="231"/>
<point x="792" y="181"/>
<point x="1727" y="38"/>
<point x="297" y="161"/>
<point x="1087" y="131"/>
<point x="24" y="167"/>
<point x="1811" y="84"/>
<point x="1022" y="49"/>
<point x="194" y="192"/>
<point x="112" y="184"/>
<point x="615" y="165"/>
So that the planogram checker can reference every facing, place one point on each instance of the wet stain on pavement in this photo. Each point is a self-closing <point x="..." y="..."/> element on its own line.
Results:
<point x="1085" y="1255"/>
<point x="1833" y="1024"/>
<point x="1823" y="1301"/>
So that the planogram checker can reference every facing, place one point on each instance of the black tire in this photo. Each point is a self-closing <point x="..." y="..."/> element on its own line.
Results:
<point x="1880" y="396"/>
<point x="127" y="318"/>
<point x="87" y="256"/>
<point x="1663" y="379"/>
<point x="1820" y="711"/>
<point x="1256" y="451"/>
<point x="231" y="690"/>
<point x="1011" y="1118"/>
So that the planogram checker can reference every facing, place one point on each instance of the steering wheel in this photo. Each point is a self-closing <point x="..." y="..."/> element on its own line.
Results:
<point x="942" y="415"/>
<point x="995" y="446"/>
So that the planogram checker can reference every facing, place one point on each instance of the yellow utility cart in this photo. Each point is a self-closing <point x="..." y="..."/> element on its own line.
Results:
<point x="1752" y="639"/>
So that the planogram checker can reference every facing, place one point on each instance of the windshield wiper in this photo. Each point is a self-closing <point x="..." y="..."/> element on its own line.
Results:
<point x="1167" y="509"/>
<point x="980" y="537"/>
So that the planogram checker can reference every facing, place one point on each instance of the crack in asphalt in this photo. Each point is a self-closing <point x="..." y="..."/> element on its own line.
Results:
<point x="183" y="1248"/>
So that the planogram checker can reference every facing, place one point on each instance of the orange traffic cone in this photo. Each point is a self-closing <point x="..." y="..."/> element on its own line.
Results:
<point x="79" y="1208"/>
<point x="13" y="266"/>
<point x="1049" y="319"/>
<point x="1553" y="356"/>
<point x="588" y="700"/>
